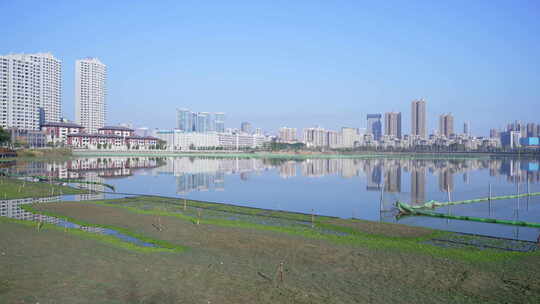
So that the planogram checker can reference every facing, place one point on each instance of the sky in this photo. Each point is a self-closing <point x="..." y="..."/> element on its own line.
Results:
<point x="293" y="63"/>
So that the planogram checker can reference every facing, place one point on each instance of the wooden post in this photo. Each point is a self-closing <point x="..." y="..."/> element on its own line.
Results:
<point x="528" y="194"/>
<point x="312" y="218"/>
<point x="517" y="186"/>
<point x="382" y="199"/>
<point x="185" y="204"/>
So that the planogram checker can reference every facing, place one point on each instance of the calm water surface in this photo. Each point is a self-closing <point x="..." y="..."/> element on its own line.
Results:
<point x="338" y="187"/>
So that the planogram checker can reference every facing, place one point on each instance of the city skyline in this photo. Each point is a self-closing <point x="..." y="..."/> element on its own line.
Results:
<point x="276" y="79"/>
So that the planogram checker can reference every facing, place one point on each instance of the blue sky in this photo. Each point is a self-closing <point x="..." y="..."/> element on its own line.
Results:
<point x="295" y="63"/>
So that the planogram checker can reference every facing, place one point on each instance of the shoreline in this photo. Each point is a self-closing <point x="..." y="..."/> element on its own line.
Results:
<point x="302" y="156"/>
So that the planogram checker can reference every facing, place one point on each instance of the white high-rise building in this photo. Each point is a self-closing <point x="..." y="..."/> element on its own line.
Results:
<point x="90" y="93"/>
<point x="30" y="90"/>
<point x="287" y="135"/>
<point x="51" y="87"/>
<point x="350" y="137"/>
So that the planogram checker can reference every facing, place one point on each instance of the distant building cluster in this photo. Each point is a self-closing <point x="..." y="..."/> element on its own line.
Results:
<point x="199" y="122"/>
<point x="518" y="134"/>
<point x="393" y="137"/>
<point x="206" y="131"/>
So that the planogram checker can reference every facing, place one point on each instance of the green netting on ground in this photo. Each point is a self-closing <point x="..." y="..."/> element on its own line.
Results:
<point x="406" y="209"/>
<point x="435" y="204"/>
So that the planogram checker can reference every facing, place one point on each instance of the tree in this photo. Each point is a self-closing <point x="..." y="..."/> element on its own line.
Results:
<point x="4" y="136"/>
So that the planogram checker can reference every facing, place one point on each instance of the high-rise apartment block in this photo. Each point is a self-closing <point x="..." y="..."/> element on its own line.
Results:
<point x="315" y="137"/>
<point x="183" y="120"/>
<point x="204" y="122"/>
<point x="219" y="122"/>
<point x="287" y="134"/>
<point x="350" y="137"/>
<point x="374" y="126"/>
<point x="446" y="125"/>
<point x="531" y="130"/>
<point x="90" y="93"/>
<point x="418" y="122"/>
<point x="494" y="133"/>
<point x="467" y="128"/>
<point x="392" y="124"/>
<point x="30" y="90"/>
<point x="245" y="127"/>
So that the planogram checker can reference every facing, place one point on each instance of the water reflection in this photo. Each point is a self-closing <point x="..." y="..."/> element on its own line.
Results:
<point x="203" y="174"/>
<point x="364" y="188"/>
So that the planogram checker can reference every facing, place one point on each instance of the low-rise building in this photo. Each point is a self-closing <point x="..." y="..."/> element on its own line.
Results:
<point x="529" y="141"/>
<point x="57" y="132"/>
<point x="111" y="141"/>
<point x="116" y="130"/>
<point x="28" y="138"/>
<point x="179" y="140"/>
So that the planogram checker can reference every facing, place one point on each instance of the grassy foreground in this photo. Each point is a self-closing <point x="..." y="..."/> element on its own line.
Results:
<point x="246" y="255"/>
<point x="11" y="188"/>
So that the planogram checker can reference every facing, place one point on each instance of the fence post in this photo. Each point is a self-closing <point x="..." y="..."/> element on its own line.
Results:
<point x="382" y="199"/>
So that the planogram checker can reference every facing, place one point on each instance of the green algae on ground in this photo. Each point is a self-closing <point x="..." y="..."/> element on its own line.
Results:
<point x="330" y="229"/>
<point x="224" y="262"/>
<point x="161" y="246"/>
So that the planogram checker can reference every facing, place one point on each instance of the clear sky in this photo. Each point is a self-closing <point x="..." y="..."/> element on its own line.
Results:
<point x="293" y="63"/>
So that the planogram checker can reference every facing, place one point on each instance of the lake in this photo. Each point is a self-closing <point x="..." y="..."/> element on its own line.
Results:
<point x="359" y="188"/>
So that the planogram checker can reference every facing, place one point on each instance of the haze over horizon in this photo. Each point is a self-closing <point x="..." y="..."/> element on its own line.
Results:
<point x="301" y="64"/>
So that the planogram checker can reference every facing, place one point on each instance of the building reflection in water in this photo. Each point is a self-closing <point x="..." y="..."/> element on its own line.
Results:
<point x="208" y="174"/>
<point x="91" y="169"/>
<point x="418" y="185"/>
<point x="446" y="180"/>
<point x="392" y="178"/>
